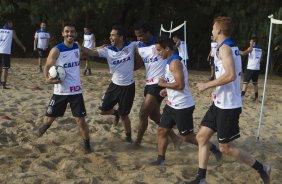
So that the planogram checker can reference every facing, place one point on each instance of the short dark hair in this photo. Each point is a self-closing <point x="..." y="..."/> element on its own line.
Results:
<point x="69" y="24"/>
<point x="120" y="30"/>
<point x="254" y="39"/>
<point x="164" y="41"/>
<point x="176" y="35"/>
<point x="144" y="26"/>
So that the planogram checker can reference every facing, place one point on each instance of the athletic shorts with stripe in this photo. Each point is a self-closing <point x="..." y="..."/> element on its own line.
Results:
<point x="121" y="95"/>
<point x="58" y="104"/>
<point x="223" y="121"/>
<point x="182" y="118"/>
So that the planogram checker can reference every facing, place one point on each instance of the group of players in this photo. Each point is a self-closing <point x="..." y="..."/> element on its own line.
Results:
<point x="166" y="75"/>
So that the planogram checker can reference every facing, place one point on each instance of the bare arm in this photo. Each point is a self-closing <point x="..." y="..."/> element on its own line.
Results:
<point x="48" y="41"/>
<point x="94" y="41"/>
<point x="88" y="52"/>
<point x="225" y="54"/>
<point x="138" y="61"/>
<point x="51" y="60"/>
<point x="176" y="69"/>
<point x="35" y="44"/>
<point x="246" y="52"/>
<point x="18" y="41"/>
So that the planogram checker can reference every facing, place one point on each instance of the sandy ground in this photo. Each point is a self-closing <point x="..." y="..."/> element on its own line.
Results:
<point x="57" y="157"/>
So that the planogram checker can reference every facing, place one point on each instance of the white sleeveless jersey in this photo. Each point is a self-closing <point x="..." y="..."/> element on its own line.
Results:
<point x="228" y="96"/>
<point x="121" y="63"/>
<point x="181" y="49"/>
<point x="69" y="59"/>
<point x="42" y="38"/>
<point x="213" y="48"/>
<point x="6" y="38"/>
<point x="254" y="58"/>
<point x="88" y="40"/>
<point x="178" y="99"/>
<point x="154" y="64"/>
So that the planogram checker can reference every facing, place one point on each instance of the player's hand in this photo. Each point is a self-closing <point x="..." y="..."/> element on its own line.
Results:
<point x="202" y="86"/>
<point x="24" y="49"/>
<point x="163" y="93"/>
<point x="52" y="81"/>
<point x="35" y="49"/>
<point x="213" y="96"/>
<point x="161" y="82"/>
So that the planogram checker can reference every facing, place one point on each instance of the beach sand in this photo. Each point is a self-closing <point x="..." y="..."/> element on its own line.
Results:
<point x="57" y="156"/>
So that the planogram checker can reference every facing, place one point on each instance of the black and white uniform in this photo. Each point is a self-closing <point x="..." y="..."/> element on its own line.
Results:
<point x="122" y="88"/>
<point x="223" y="115"/>
<point x="180" y="104"/>
<point x="6" y="38"/>
<point x="155" y="68"/>
<point x="253" y="67"/>
<point x="70" y="90"/>
<point x="42" y="37"/>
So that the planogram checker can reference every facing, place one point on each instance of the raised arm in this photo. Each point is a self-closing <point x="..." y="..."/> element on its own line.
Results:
<point x="246" y="52"/>
<point x="88" y="52"/>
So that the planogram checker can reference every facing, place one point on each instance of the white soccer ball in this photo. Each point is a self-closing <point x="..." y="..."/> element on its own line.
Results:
<point x="57" y="72"/>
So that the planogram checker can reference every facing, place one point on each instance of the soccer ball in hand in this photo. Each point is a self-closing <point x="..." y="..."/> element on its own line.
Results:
<point x="57" y="72"/>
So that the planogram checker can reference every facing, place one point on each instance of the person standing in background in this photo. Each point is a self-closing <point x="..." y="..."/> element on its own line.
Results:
<point x="7" y="34"/>
<point x="41" y="43"/>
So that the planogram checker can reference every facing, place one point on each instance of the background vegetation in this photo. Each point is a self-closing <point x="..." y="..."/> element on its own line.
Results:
<point x="250" y="17"/>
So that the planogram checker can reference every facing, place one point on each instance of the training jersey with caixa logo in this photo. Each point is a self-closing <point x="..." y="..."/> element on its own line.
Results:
<point x="154" y="64"/>
<point x="121" y="62"/>
<point x="6" y="38"/>
<point x="69" y="60"/>
<point x="228" y="96"/>
<point x="178" y="99"/>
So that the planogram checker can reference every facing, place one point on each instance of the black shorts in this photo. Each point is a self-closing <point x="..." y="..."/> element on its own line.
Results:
<point x="5" y="61"/>
<point x="58" y="104"/>
<point x="154" y="90"/>
<point x="121" y="95"/>
<point x="182" y="118"/>
<point x="42" y="53"/>
<point x="251" y="75"/>
<point x="223" y="121"/>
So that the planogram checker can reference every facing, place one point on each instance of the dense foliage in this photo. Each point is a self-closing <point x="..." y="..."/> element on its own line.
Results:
<point x="250" y="17"/>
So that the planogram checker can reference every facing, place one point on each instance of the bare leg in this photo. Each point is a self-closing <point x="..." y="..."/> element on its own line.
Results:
<point x="83" y="126"/>
<point x="127" y="127"/>
<point x="40" y="64"/>
<point x="5" y="75"/>
<point x="244" y="89"/>
<point x="203" y="137"/>
<point x="47" y="122"/>
<point x="162" y="140"/>
<point x="84" y="130"/>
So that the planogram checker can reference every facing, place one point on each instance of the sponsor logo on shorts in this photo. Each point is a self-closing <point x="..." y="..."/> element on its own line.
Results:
<point x="183" y="131"/>
<point x="50" y="110"/>
<point x="221" y="139"/>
